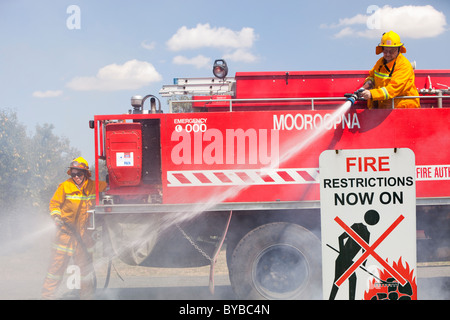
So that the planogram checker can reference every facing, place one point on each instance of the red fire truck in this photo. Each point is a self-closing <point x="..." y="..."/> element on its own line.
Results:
<point x="239" y="170"/>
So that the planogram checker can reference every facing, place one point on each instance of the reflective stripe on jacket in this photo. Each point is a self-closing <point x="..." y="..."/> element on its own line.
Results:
<point x="392" y="80"/>
<point x="72" y="203"/>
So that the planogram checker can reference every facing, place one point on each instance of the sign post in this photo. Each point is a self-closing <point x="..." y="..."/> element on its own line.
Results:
<point x="368" y="221"/>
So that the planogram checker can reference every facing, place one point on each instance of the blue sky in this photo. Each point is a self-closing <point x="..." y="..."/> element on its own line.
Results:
<point x="61" y="64"/>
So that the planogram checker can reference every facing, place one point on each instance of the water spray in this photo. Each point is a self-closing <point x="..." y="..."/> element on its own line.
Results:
<point x="181" y="216"/>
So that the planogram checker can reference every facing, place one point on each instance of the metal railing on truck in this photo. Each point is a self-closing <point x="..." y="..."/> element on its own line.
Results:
<point x="438" y="97"/>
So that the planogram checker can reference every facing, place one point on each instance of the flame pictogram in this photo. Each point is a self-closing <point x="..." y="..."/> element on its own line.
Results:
<point x="389" y="289"/>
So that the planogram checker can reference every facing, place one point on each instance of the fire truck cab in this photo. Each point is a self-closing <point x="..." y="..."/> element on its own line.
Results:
<point x="234" y="165"/>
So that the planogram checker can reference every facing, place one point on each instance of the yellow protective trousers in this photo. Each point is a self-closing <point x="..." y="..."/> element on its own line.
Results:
<point x="81" y="274"/>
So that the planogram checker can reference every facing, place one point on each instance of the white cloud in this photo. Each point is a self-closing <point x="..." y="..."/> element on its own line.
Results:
<point x="408" y="21"/>
<point x="347" y="31"/>
<point x="131" y="75"/>
<point x="47" y="94"/>
<point x="199" y="61"/>
<point x="240" y="55"/>
<point x="148" y="45"/>
<point x="203" y="35"/>
<point x="235" y="45"/>
<point x="358" y="19"/>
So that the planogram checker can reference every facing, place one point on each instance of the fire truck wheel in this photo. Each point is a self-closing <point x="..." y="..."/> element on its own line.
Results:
<point x="277" y="261"/>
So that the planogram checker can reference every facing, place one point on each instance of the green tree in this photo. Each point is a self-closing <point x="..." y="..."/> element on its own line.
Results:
<point x="13" y="168"/>
<point x="181" y="107"/>
<point x="31" y="167"/>
<point x="48" y="159"/>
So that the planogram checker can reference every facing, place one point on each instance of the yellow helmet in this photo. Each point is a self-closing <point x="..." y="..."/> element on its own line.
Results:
<point x="81" y="164"/>
<point x="390" y="39"/>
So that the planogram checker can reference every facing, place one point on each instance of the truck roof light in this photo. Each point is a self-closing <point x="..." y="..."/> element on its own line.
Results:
<point x="220" y="69"/>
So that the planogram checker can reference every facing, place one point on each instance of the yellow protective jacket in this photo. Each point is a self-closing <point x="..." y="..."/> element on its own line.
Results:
<point x="72" y="203"/>
<point x="392" y="80"/>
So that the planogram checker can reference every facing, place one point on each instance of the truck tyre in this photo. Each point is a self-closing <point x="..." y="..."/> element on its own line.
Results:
<point x="277" y="261"/>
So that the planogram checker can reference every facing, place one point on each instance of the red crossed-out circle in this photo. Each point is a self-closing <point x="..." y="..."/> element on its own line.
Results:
<point x="370" y="250"/>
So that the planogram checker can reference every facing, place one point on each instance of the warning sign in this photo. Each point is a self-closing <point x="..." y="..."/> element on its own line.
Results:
<point x="368" y="219"/>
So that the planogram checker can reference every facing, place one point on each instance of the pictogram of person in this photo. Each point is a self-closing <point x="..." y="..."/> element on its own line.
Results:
<point x="349" y="249"/>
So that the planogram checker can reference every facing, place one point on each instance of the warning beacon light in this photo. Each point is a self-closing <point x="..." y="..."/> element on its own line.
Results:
<point x="220" y="69"/>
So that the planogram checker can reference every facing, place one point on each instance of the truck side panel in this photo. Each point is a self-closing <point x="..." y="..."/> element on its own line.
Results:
<point x="273" y="155"/>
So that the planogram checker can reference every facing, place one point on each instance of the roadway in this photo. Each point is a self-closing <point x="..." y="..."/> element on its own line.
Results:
<point x="433" y="284"/>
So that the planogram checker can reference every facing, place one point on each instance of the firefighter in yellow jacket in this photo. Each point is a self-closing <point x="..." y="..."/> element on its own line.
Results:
<point x="68" y="208"/>
<point x="392" y="76"/>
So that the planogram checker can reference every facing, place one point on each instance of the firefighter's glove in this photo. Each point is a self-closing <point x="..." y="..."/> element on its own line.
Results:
<point x="58" y="221"/>
<point x="359" y="91"/>
<point x="366" y="95"/>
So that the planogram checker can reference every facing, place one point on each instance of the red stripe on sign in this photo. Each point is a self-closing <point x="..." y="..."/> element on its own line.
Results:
<point x="285" y="176"/>
<point x="222" y="177"/>
<point x="305" y="175"/>
<point x="181" y="178"/>
<point x="201" y="177"/>
<point x="244" y="177"/>
<point x="265" y="177"/>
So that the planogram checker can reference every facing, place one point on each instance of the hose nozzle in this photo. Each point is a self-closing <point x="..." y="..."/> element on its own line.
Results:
<point x="354" y="96"/>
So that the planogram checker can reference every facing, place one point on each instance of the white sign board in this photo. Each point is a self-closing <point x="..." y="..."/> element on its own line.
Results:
<point x="368" y="221"/>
